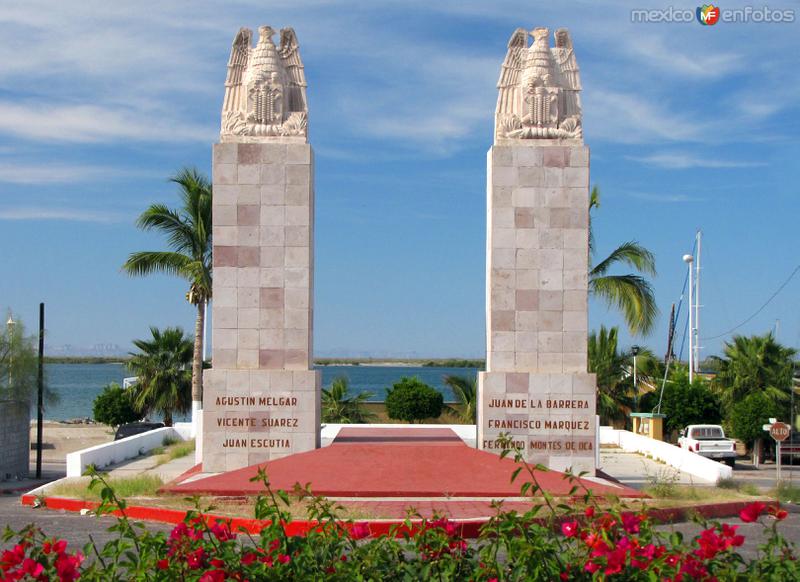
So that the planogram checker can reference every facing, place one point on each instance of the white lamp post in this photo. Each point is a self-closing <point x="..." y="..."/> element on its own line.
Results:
<point x="689" y="259"/>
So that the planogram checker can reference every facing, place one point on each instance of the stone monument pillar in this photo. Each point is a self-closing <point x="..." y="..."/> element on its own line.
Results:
<point x="536" y="388"/>
<point x="261" y="398"/>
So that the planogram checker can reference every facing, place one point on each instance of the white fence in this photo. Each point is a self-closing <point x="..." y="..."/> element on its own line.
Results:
<point x="683" y="460"/>
<point x="128" y="448"/>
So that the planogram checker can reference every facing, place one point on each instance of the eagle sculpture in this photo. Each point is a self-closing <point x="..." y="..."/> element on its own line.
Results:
<point x="265" y="90"/>
<point x="539" y="89"/>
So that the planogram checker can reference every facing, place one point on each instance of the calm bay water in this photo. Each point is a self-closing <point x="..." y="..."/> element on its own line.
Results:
<point x="78" y="384"/>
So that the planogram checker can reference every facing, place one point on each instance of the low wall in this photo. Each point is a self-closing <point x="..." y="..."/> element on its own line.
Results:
<point x="685" y="461"/>
<point x="15" y="444"/>
<point x="128" y="448"/>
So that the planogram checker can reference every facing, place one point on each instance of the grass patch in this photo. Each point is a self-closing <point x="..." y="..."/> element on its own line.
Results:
<point x="744" y="488"/>
<point x="787" y="493"/>
<point x="137" y="486"/>
<point x="175" y="451"/>
<point x="692" y="493"/>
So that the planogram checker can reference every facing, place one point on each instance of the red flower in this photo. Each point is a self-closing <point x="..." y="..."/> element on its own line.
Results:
<point x="359" y="530"/>
<point x="12" y="557"/>
<point x="162" y="564"/>
<point x="569" y="528"/>
<point x="31" y="567"/>
<point x="213" y="576"/>
<point x="248" y="558"/>
<point x="750" y="513"/>
<point x="777" y="512"/>
<point x="589" y="512"/>
<point x="195" y="558"/>
<point x="284" y="559"/>
<point x="631" y="522"/>
<point x="222" y="531"/>
<point x="67" y="566"/>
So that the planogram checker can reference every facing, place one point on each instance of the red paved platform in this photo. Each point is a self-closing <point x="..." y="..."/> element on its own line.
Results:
<point x="392" y="463"/>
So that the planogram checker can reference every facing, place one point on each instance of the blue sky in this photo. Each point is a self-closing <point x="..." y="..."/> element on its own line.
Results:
<point x="689" y="126"/>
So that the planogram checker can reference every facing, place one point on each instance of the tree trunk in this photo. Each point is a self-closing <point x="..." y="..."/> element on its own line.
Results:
<point x="167" y="418"/>
<point x="197" y="362"/>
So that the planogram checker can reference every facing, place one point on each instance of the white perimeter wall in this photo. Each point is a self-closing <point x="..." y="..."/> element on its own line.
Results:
<point x="683" y="460"/>
<point x="128" y="448"/>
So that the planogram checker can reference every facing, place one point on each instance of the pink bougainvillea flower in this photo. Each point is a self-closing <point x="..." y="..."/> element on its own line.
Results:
<point x="750" y="513"/>
<point x="222" y="531"/>
<point x="591" y="567"/>
<point x="195" y="558"/>
<point x="32" y="568"/>
<point x="569" y="528"/>
<point x="213" y="576"/>
<point x="67" y="566"/>
<point x="359" y="530"/>
<point x="778" y="513"/>
<point x="631" y="522"/>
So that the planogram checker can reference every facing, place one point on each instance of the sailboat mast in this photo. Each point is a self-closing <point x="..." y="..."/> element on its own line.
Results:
<point x="697" y="303"/>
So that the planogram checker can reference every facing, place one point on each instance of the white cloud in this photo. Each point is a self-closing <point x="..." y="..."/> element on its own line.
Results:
<point x="627" y="118"/>
<point x="58" y="173"/>
<point x="35" y="213"/>
<point x="92" y="123"/>
<point x="679" y="161"/>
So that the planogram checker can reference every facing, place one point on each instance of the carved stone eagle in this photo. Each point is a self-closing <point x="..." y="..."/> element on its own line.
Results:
<point x="265" y="90"/>
<point x="539" y="89"/>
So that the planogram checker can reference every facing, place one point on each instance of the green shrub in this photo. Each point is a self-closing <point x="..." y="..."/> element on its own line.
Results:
<point x="412" y="400"/>
<point x="748" y="416"/>
<point x="114" y="406"/>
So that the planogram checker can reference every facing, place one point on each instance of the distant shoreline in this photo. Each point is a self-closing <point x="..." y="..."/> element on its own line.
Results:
<point x="377" y="362"/>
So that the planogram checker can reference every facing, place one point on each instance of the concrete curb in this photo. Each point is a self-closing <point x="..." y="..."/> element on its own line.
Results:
<point x="467" y="528"/>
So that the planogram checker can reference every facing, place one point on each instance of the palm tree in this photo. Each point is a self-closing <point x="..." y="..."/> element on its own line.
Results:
<point x="631" y="293"/>
<point x="616" y="394"/>
<point x="188" y="231"/>
<point x="466" y="391"/>
<point x="162" y="366"/>
<point x="755" y="364"/>
<point x="338" y="407"/>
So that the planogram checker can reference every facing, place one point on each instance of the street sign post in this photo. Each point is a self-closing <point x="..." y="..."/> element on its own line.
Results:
<point x="780" y="432"/>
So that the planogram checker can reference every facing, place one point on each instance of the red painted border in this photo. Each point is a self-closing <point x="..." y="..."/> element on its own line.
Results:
<point x="468" y="529"/>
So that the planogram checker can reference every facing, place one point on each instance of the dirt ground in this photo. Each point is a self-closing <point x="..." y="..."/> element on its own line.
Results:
<point x="60" y="439"/>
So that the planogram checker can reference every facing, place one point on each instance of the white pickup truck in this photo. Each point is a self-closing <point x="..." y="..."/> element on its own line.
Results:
<point x="709" y="441"/>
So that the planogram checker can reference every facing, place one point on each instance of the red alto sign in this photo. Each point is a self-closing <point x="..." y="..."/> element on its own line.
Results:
<point x="779" y="431"/>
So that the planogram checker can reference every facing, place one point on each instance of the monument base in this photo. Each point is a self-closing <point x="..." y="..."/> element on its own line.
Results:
<point x="255" y="416"/>
<point x="549" y="417"/>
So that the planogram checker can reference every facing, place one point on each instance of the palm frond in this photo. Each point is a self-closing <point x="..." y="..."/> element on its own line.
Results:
<point x="633" y="295"/>
<point x="149" y="262"/>
<point x="630" y="253"/>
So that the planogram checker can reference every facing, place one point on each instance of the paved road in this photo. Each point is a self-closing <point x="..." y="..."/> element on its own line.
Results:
<point x="73" y="527"/>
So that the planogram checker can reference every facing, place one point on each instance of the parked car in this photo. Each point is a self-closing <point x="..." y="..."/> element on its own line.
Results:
<point x="134" y="428"/>
<point x="709" y="441"/>
<point x="790" y="448"/>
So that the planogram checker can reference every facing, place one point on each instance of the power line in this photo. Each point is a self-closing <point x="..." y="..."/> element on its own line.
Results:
<point x="760" y="309"/>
